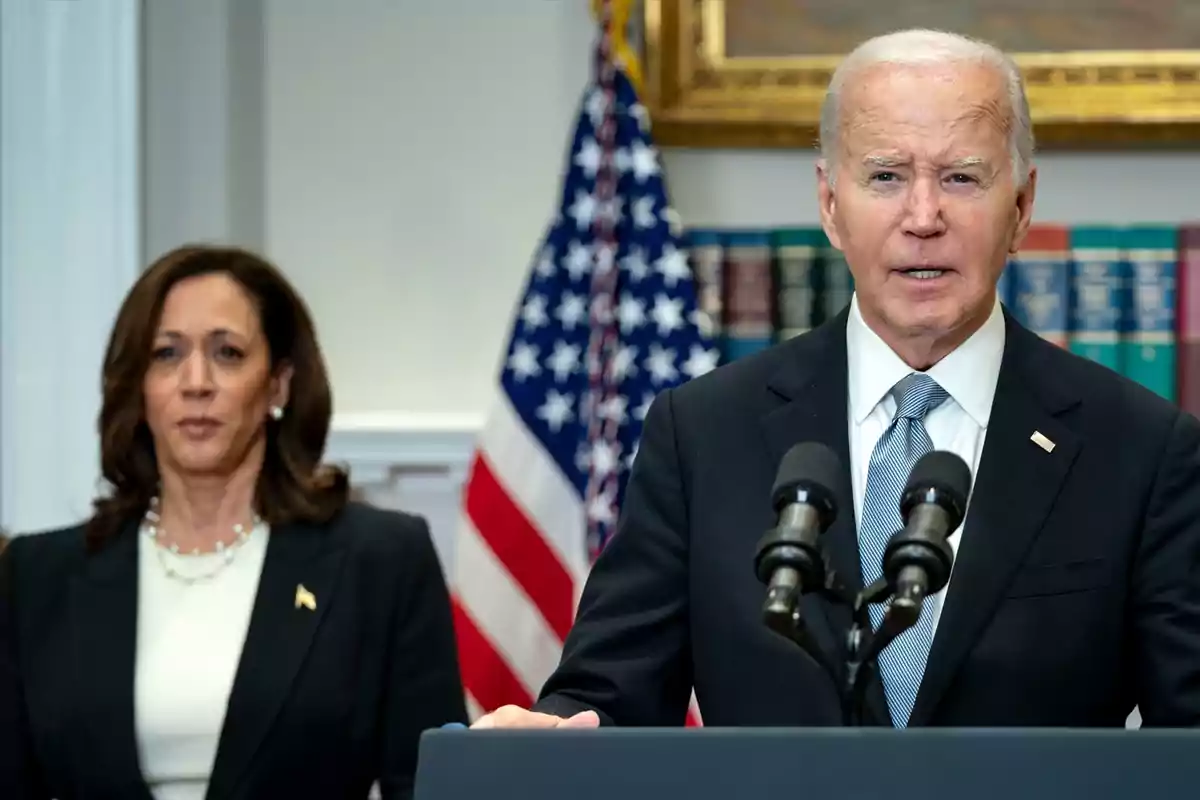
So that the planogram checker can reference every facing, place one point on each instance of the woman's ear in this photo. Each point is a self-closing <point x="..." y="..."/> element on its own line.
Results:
<point x="281" y="386"/>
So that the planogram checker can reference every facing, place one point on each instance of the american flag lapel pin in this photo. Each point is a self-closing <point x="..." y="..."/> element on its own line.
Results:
<point x="305" y="598"/>
<point x="1041" y="441"/>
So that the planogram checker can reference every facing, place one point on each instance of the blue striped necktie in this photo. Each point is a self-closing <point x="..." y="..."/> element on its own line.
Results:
<point x="902" y="663"/>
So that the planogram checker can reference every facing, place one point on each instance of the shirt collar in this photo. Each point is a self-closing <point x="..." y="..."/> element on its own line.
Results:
<point x="968" y="374"/>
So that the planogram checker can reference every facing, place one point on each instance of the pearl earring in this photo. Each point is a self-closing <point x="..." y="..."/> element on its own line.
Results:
<point x="277" y="412"/>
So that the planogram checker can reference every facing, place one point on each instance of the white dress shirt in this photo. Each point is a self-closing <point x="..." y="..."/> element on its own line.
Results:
<point x="968" y="375"/>
<point x="189" y="644"/>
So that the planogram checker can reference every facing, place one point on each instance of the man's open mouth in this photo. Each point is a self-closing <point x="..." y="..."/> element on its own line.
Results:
<point x="924" y="273"/>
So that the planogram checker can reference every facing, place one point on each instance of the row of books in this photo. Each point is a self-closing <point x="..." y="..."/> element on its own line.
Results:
<point x="1125" y="296"/>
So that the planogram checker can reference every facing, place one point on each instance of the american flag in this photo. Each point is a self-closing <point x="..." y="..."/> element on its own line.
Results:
<point x="608" y="318"/>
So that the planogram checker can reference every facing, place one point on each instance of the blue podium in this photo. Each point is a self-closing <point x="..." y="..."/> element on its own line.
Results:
<point x="809" y="764"/>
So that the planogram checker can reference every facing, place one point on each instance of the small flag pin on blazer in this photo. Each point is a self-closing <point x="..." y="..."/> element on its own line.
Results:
<point x="1041" y="441"/>
<point x="305" y="598"/>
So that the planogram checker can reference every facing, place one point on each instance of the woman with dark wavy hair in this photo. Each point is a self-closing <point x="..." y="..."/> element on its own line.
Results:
<point x="227" y="623"/>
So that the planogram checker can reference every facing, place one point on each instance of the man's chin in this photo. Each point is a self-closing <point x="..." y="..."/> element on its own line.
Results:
<point x="931" y="318"/>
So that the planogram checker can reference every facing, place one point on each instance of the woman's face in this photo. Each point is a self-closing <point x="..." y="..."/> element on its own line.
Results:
<point x="209" y="388"/>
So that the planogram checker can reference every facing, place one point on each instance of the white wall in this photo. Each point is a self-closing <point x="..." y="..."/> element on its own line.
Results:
<point x="202" y="138"/>
<point x="413" y="150"/>
<point x="69" y="241"/>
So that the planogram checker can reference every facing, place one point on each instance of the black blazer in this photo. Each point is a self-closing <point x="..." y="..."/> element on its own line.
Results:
<point x="324" y="702"/>
<point x="1076" y="590"/>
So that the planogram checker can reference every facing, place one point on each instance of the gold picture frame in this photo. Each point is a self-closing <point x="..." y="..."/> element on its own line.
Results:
<point x="699" y="97"/>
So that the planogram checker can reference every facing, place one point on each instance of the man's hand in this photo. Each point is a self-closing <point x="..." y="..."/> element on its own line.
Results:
<point x="517" y="717"/>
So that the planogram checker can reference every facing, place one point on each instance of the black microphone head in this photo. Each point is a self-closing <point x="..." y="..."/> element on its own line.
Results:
<point x="939" y="477"/>
<point x="808" y="472"/>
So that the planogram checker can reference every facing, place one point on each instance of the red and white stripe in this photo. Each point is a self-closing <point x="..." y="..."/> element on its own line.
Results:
<point x="520" y="565"/>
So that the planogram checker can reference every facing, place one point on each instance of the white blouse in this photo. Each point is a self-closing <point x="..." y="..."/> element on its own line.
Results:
<point x="189" y="643"/>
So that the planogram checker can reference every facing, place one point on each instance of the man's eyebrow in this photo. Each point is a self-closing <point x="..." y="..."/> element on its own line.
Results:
<point x="969" y="161"/>
<point x="899" y="161"/>
<point x="885" y="161"/>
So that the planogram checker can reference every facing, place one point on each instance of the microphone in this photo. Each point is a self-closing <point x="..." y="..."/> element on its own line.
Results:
<point x="789" y="558"/>
<point x="918" y="558"/>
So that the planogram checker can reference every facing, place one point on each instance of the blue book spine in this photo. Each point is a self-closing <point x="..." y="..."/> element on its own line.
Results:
<point x="1040" y="291"/>
<point x="1098" y="295"/>
<point x="1148" y="342"/>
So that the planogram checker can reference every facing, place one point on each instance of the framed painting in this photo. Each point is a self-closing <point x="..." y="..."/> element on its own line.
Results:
<point x="752" y="73"/>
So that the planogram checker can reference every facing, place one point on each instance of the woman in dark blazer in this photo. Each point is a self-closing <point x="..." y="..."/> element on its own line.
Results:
<point x="227" y="623"/>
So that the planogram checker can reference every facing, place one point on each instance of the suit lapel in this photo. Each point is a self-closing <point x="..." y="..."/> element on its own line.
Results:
<point x="1015" y="486"/>
<point x="104" y="601"/>
<point x="809" y="404"/>
<point x="812" y="386"/>
<point x="281" y="631"/>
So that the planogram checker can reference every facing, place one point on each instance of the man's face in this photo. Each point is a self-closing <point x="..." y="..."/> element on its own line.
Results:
<point x="925" y="207"/>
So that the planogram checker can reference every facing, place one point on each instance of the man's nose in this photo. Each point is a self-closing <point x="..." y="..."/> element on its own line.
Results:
<point x="925" y="216"/>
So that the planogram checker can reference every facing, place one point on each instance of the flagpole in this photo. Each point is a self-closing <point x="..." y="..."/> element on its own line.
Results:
<point x="603" y="430"/>
<point x="619" y="13"/>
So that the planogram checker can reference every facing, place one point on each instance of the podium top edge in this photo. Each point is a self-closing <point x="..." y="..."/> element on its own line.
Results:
<point x="831" y="732"/>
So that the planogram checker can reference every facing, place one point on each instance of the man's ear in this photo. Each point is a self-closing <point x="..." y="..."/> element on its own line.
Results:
<point x="1024" y="215"/>
<point x="827" y="202"/>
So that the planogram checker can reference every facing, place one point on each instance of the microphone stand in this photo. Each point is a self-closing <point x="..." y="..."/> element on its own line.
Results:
<point x="792" y="561"/>
<point x="861" y="645"/>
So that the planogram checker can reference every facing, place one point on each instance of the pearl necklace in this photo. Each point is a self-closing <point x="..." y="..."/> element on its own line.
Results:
<point x="154" y="531"/>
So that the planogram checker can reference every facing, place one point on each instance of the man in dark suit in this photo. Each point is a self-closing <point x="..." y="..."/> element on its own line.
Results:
<point x="1075" y="593"/>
